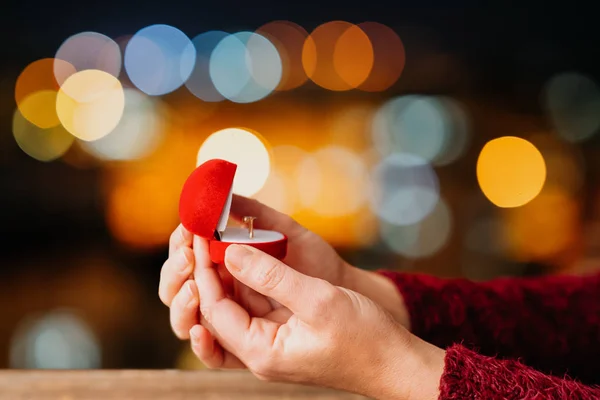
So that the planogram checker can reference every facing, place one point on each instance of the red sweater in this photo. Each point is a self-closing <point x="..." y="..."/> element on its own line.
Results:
<point x="511" y="338"/>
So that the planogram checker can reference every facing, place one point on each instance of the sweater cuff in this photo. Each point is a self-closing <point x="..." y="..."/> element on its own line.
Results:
<point x="468" y="375"/>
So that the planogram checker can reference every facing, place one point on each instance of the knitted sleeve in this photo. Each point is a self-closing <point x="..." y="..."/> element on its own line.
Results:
<point x="468" y="375"/>
<point x="551" y="323"/>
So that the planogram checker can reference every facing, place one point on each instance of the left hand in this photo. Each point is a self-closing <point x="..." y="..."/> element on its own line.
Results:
<point x="312" y="333"/>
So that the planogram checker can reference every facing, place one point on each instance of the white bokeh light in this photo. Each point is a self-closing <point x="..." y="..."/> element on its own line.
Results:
<point x="137" y="134"/>
<point x="422" y="239"/>
<point x="405" y="189"/>
<point x="244" y="148"/>
<point x="572" y="101"/>
<point x="57" y="340"/>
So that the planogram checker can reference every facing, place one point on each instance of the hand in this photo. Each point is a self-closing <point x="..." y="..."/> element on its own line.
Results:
<point x="307" y="253"/>
<point x="322" y="334"/>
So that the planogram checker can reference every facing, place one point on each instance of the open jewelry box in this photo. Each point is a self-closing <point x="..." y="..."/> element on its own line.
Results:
<point x="204" y="208"/>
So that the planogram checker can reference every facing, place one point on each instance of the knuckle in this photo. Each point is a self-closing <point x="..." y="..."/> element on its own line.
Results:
<point x="271" y="274"/>
<point x="175" y="237"/>
<point x="328" y="295"/>
<point x="263" y="367"/>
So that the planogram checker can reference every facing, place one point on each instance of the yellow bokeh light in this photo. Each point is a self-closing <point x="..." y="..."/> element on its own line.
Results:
<point x="40" y="75"/>
<point x="511" y="171"/>
<point x="39" y="108"/>
<point x="245" y="148"/>
<point x="332" y="182"/>
<point x="90" y="104"/>
<point x="41" y="144"/>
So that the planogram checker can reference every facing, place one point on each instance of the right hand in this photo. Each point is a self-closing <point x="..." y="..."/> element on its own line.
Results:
<point x="307" y="253"/>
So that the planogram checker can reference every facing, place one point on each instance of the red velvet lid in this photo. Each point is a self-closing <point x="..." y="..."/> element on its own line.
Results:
<point x="204" y="196"/>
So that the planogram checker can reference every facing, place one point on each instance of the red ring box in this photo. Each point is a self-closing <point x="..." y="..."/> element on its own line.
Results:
<point x="204" y="207"/>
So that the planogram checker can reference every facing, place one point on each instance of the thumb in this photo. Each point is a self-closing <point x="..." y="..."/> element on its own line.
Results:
<point x="267" y="275"/>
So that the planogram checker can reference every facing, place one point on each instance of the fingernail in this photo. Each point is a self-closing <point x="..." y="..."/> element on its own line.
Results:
<point x="235" y="255"/>
<point x="191" y="294"/>
<point x="195" y="332"/>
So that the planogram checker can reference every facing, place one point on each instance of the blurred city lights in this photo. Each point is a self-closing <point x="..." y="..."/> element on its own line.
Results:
<point x="200" y="83"/>
<point x="244" y="148"/>
<point x="389" y="57"/>
<point x="90" y="104"/>
<point x="57" y="340"/>
<point x="511" y="171"/>
<point x="333" y="181"/>
<point x="573" y="100"/>
<point x="38" y="77"/>
<point x="159" y="59"/>
<point x="88" y="50"/>
<point x="288" y="38"/>
<point x="337" y="56"/>
<point x="405" y="189"/>
<point x="41" y="144"/>
<point x="413" y="124"/>
<point x="422" y="239"/>
<point x="137" y="134"/>
<point x="245" y="67"/>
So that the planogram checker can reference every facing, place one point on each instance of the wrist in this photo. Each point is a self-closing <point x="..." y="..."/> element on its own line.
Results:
<point x="414" y="371"/>
<point x="380" y="289"/>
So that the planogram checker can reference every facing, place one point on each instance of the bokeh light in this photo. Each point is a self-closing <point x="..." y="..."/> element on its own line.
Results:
<point x="350" y="127"/>
<point x="353" y="56"/>
<point x="88" y="50"/>
<point x="137" y="134"/>
<point x="246" y="149"/>
<point x="389" y="57"/>
<point x="245" y="67"/>
<point x="90" y="104"/>
<point x="405" y="189"/>
<point x="288" y="38"/>
<point x="38" y="84"/>
<point x="200" y="83"/>
<point x="57" y="340"/>
<point x="281" y="189"/>
<point x="159" y="59"/>
<point x="573" y="100"/>
<point x="40" y="109"/>
<point x="422" y="239"/>
<point x="413" y="124"/>
<point x="458" y="132"/>
<point x="337" y="56"/>
<point x="543" y="228"/>
<point x="40" y="144"/>
<point x="511" y="171"/>
<point x="332" y="181"/>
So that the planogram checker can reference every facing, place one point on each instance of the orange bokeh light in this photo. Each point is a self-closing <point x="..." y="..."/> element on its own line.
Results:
<point x="337" y="56"/>
<point x="39" y="75"/>
<point x="288" y="38"/>
<point x="389" y="57"/>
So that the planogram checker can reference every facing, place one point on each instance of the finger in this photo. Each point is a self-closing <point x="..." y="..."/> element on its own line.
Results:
<point x="255" y="303"/>
<point x="175" y="271"/>
<point x="179" y="238"/>
<point x="272" y="278"/>
<point x="210" y="352"/>
<point x="226" y="279"/>
<point x="228" y="321"/>
<point x="266" y="217"/>
<point x="184" y="310"/>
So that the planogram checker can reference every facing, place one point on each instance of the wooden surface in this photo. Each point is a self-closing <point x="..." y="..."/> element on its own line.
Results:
<point x="151" y="385"/>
